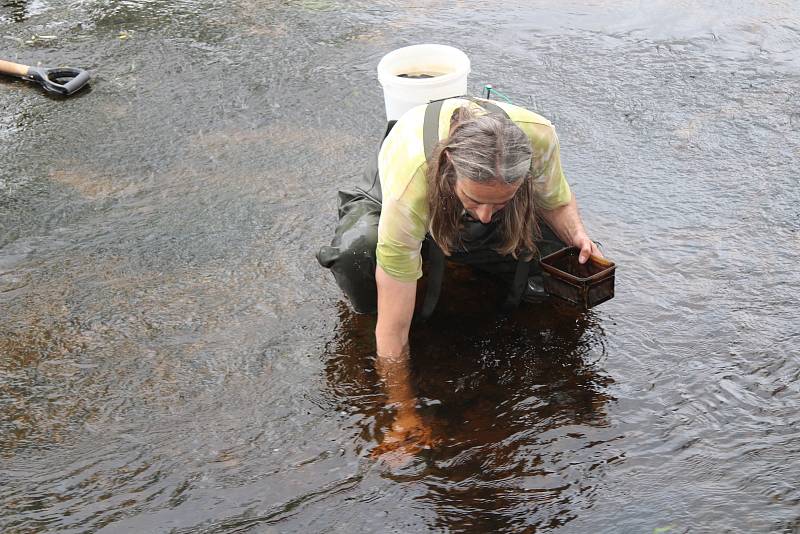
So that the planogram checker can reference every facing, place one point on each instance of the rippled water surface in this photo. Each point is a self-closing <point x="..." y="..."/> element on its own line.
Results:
<point x="172" y="358"/>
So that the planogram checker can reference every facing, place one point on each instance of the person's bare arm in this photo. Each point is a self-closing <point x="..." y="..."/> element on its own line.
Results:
<point x="566" y="223"/>
<point x="395" y="310"/>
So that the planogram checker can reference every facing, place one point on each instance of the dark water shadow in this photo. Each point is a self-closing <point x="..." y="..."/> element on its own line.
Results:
<point x="512" y="400"/>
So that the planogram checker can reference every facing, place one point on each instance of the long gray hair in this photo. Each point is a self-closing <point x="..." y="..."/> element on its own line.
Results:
<point x="483" y="148"/>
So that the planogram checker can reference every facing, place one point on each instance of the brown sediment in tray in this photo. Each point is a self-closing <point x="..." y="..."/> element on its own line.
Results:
<point x="585" y="285"/>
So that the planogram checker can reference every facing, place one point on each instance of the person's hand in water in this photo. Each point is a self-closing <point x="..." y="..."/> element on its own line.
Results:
<point x="408" y="436"/>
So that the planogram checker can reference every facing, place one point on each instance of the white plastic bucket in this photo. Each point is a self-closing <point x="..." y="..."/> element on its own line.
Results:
<point x="448" y="66"/>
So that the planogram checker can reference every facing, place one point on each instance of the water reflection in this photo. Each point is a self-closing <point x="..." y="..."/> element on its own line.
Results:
<point x="518" y="405"/>
<point x="161" y="229"/>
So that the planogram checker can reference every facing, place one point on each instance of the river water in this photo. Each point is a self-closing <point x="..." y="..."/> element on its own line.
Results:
<point x="173" y="359"/>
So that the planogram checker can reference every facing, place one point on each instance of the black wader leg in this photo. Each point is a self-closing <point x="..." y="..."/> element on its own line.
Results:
<point x="518" y="286"/>
<point x="434" y="257"/>
<point x="351" y="256"/>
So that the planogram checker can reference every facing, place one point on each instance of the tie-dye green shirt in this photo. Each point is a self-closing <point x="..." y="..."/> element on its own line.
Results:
<point x="402" y="166"/>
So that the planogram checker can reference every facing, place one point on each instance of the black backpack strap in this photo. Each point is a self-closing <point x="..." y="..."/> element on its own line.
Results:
<point x="434" y="255"/>
<point x="435" y="259"/>
<point x="430" y="127"/>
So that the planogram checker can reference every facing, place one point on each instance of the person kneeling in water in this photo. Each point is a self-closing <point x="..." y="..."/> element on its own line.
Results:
<point x="478" y="182"/>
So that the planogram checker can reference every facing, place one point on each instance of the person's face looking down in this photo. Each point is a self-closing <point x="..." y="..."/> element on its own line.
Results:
<point x="482" y="200"/>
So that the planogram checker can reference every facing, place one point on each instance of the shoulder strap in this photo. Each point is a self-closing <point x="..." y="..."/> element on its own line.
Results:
<point x="430" y="126"/>
<point x="434" y="255"/>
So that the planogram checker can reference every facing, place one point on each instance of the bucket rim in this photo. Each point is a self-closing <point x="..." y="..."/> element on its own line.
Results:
<point x="385" y="76"/>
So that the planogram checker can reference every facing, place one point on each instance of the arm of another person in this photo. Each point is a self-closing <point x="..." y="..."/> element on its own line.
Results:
<point x="567" y="224"/>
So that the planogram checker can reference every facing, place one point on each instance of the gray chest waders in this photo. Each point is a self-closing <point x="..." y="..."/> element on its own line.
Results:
<point x="351" y="254"/>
